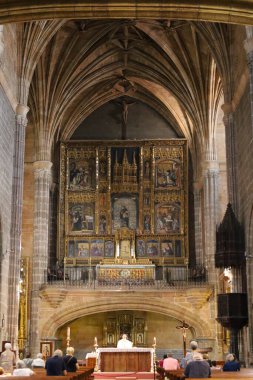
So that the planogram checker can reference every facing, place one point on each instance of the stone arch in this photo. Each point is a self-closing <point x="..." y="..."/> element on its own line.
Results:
<point x="208" y="10"/>
<point x="126" y="302"/>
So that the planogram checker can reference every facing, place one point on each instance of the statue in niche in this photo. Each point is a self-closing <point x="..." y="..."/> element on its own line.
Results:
<point x="124" y="217"/>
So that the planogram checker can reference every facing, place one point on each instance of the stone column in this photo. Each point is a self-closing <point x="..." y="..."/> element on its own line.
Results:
<point x="16" y="223"/>
<point x="197" y="189"/>
<point x="228" y="121"/>
<point x="211" y="175"/>
<point x="248" y="46"/>
<point x="42" y="182"/>
<point x="1" y="43"/>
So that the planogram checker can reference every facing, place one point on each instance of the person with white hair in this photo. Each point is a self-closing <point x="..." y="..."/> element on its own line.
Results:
<point x="21" y="369"/>
<point x="198" y="367"/>
<point x="7" y="359"/>
<point x="70" y="360"/>
<point x="189" y="355"/>
<point x="55" y="365"/>
<point x="231" y="364"/>
<point x="38" y="362"/>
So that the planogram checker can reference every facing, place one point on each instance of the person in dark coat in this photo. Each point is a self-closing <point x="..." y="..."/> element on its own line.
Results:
<point x="55" y="365"/>
<point x="197" y="368"/>
<point x="231" y="364"/>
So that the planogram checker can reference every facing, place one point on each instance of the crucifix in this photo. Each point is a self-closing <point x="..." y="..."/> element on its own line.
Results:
<point x="124" y="116"/>
<point x="184" y="327"/>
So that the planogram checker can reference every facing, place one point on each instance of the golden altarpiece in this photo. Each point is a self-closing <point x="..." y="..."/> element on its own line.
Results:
<point x="123" y="207"/>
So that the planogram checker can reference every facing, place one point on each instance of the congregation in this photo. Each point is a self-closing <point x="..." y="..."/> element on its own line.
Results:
<point x="57" y="365"/>
<point x="196" y="365"/>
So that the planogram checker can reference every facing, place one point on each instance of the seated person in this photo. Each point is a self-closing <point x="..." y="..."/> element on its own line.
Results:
<point x="206" y="358"/>
<point x="21" y="370"/>
<point x="189" y="355"/>
<point x="38" y="362"/>
<point x="70" y="360"/>
<point x="170" y="363"/>
<point x="231" y="364"/>
<point x="160" y="363"/>
<point x="124" y="342"/>
<point x="197" y="368"/>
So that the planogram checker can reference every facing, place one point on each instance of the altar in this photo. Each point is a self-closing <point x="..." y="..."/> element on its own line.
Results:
<point x="125" y="360"/>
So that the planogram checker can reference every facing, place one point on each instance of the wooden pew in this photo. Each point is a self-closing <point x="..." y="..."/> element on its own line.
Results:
<point x="216" y="374"/>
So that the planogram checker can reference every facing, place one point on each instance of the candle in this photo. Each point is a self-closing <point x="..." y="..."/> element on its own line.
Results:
<point x="95" y="340"/>
<point x="68" y="332"/>
<point x="154" y="340"/>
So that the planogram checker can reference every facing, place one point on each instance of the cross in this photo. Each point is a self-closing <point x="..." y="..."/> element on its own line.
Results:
<point x="184" y="327"/>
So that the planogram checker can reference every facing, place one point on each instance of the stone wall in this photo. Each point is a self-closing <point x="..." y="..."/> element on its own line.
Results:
<point x="82" y="310"/>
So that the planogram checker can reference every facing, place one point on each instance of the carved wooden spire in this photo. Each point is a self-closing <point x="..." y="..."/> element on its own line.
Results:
<point x="230" y="245"/>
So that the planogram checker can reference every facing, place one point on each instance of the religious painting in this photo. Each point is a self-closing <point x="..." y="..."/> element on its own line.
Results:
<point x="83" y="248"/>
<point x="124" y="211"/>
<point x="140" y="248"/>
<point x="178" y="248"/>
<point x="46" y="348"/>
<point x="81" y="217"/>
<point x="147" y="222"/>
<point x="146" y="169"/>
<point x="102" y="169"/>
<point x="110" y="338"/>
<point x="152" y="247"/>
<point x="167" y="174"/>
<point x="140" y="338"/>
<point x="109" y="248"/>
<point x="167" y="248"/>
<point x="146" y="199"/>
<point x="71" y="248"/>
<point x="167" y="218"/>
<point x="125" y="248"/>
<point x="102" y="201"/>
<point x="97" y="247"/>
<point x="82" y="174"/>
<point x="102" y="224"/>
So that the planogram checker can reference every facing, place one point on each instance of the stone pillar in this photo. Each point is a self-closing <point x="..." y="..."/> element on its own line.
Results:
<point x="228" y="121"/>
<point x="1" y="43"/>
<point x="211" y="175"/>
<point x="42" y="182"/>
<point x="16" y="223"/>
<point x="248" y="46"/>
<point x="197" y="189"/>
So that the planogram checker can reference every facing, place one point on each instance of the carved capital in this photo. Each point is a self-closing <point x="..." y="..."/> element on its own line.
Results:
<point x="227" y="108"/>
<point x="21" y="112"/>
<point x="42" y="169"/>
<point x="210" y="167"/>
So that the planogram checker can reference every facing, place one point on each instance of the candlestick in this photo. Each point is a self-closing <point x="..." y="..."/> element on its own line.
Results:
<point x="96" y="369"/>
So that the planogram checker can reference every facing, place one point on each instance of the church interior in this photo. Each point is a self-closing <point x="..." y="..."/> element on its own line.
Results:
<point x="126" y="192"/>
